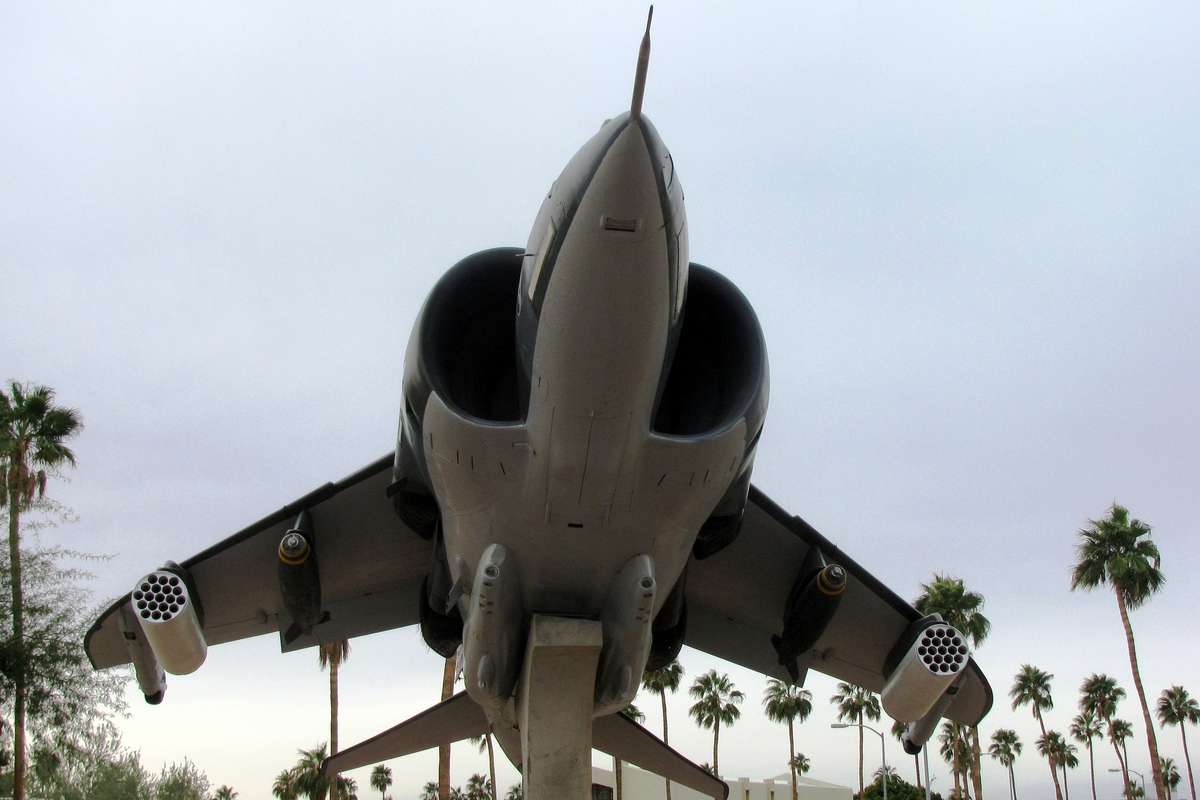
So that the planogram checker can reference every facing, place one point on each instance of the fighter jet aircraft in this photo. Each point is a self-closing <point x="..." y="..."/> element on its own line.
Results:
<point x="568" y="504"/>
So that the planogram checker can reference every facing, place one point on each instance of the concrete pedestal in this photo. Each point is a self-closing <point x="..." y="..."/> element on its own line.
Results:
<point x="555" y="697"/>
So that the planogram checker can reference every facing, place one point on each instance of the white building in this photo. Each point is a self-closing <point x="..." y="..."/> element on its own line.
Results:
<point x="641" y="785"/>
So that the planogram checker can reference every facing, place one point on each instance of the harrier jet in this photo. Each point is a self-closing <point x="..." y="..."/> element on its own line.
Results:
<point x="568" y="504"/>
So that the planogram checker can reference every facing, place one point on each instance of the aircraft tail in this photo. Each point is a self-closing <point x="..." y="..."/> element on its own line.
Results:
<point x="451" y="720"/>
<point x="622" y="738"/>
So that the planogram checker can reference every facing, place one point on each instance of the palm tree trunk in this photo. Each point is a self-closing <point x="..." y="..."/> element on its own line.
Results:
<point x="1092" y="766"/>
<point x="1151" y="740"/>
<point x="792" y="757"/>
<point x="1186" y="757"/>
<point x="1124" y="766"/>
<point x="663" y="696"/>
<point x="954" y="757"/>
<point x="861" y="788"/>
<point x="444" y="750"/>
<point x="18" y="622"/>
<point x="1066" y="783"/>
<point x="1053" y="772"/>
<point x="1012" y="781"/>
<point x="917" y="766"/>
<point x="333" y="720"/>
<point x="716" y="736"/>
<point x="957" y="789"/>
<point x="491" y="764"/>
<point x="976" y="777"/>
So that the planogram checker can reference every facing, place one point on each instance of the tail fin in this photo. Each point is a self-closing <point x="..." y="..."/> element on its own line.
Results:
<point x="293" y="633"/>
<point x="451" y="720"/>
<point x="623" y="738"/>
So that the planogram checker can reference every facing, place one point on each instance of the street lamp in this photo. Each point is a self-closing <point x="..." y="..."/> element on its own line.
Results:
<point x="1135" y="772"/>
<point x="882" y="747"/>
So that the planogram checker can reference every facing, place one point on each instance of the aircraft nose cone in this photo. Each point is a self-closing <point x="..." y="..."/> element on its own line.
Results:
<point x="624" y="190"/>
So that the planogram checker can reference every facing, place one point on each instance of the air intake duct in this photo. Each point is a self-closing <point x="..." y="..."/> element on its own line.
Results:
<point x="166" y="611"/>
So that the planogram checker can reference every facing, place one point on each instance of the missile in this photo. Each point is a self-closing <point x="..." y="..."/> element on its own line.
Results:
<point x="924" y="663"/>
<point x="300" y="579"/>
<point x="166" y="609"/>
<point x="811" y="604"/>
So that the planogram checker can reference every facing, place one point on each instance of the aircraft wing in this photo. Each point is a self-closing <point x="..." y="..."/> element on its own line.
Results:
<point x="371" y="572"/>
<point x="736" y="601"/>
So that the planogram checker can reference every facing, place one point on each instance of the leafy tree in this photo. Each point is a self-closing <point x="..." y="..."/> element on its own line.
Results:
<point x="1031" y="687"/>
<point x="949" y="598"/>
<point x="784" y="702"/>
<point x="381" y="779"/>
<point x="1099" y="696"/>
<point x="659" y="682"/>
<point x="716" y="702"/>
<point x="1177" y="707"/>
<point x="1085" y="729"/>
<point x="854" y="704"/>
<point x="33" y="436"/>
<point x="1116" y="551"/>
<point x="182" y="782"/>
<point x="1005" y="748"/>
<point x="897" y="789"/>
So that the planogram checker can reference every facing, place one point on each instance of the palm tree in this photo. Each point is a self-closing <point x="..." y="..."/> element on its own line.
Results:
<point x="285" y="785"/>
<point x="1170" y="776"/>
<point x="430" y="791"/>
<point x="381" y="779"/>
<point x="949" y="598"/>
<point x="1005" y="748"/>
<point x="716" y="702"/>
<point x="1176" y="707"/>
<point x="659" y="682"/>
<point x="954" y="750"/>
<point x="630" y="711"/>
<point x="225" y="793"/>
<point x="786" y="703"/>
<point x="478" y="787"/>
<point x="854" y="704"/>
<point x="1120" y="731"/>
<point x="1117" y="551"/>
<point x="800" y="763"/>
<point x="1099" y="695"/>
<point x="309" y="774"/>
<point x="515" y="792"/>
<point x="485" y="743"/>
<point x="1085" y="729"/>
<point x="898" y="731"/>
<point x="33" y="433"/>
<point x="331" y="655"/>
<point x="1031" y="686"/>
<point x="1061" y="754"/>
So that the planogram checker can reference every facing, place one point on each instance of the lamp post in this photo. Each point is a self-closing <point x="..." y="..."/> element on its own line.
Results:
<point x="882" y="748"/>
<point x="1135" y="772"/>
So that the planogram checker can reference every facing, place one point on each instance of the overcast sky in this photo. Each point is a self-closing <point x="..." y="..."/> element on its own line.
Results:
<point x="970" y="232"/>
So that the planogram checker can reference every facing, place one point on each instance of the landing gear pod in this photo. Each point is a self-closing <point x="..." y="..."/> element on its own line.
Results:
<point x="493" y="639"/>
<point x="627" y="617"/>
<point x="166" y="611"/>
<point x="923" y="665"/>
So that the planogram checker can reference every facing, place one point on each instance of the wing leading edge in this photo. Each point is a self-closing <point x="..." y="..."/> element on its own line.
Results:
<point x="736" y="599"/>
<point x="371" y="571"/>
